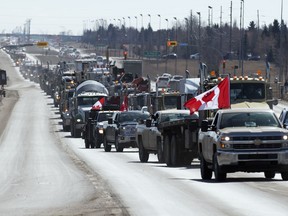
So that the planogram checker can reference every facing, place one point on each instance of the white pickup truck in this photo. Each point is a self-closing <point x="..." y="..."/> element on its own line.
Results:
<point x="247" y="140"/>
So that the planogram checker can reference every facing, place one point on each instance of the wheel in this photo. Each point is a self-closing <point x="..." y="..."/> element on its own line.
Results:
<point x="167" y="150"/>
<point x="284" y="176"/>
<point x="187" y="158"/>
<point x="107" y="147"/>
<point x="87" y="145"/>
<point x="219" y="175"/>
<point x="143" y="154"/>
<point x="160" y="151"/>
<point x="77" y="133"/>
<point x="174" y="152"/>
<point x="97" y="143"/>
<point x="92" y="144"/>
<point x="206" y="173"/>
<point x="269" y="174"/>
<point x="72" y="129"/>
<point x="118" y="147"/>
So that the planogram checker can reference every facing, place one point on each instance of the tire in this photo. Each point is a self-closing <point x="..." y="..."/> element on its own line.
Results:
<point x="92" y="144"/>
<point x="174" y="152"/>
<point x="118" y="147"/>
<point x="220" y="176"/>
<point x="77" y="133"/>
<point x="107" y="147"/>
<point x="87" y="144"/>
<point x="72" y="130"/>
<point x="284" y="176"/>
<point x="206" y="173"/>
<point x="97" y="143"/>
<point x="143" y="154"/>
<point x="269" y="174"/>
<point x="160" y="151"/>
<point x="167" y="150"/>
<point x="187" y="159"/>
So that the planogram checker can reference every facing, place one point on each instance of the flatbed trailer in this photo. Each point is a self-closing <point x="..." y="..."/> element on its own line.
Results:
<point x="180" y="138"/>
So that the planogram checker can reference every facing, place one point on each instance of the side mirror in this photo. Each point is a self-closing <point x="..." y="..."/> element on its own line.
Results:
<point x="148" y="122"/>
<point x="110" y="121"/>
<point x="204" y="125"/>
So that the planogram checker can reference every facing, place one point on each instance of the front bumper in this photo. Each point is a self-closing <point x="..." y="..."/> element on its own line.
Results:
<point x="253" y="161"/>
<point x="127" y="141"/>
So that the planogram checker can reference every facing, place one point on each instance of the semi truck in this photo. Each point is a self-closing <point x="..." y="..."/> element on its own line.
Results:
<point x="85" y="96"/>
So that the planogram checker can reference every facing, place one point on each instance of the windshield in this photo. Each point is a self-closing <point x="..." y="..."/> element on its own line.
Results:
<point x="104" y="116"/>
<point x="246" y="91"/>
<point x="173" y="116"/>
<point x="82" y="101"/>
<point x="246" y="119"/>
<point x="132" y="116"/>
<point x="170" y="102"/>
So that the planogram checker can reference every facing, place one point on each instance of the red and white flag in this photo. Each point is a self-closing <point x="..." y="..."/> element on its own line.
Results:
<point x="99" y="104"/>
<point x="216" y="98"/>
<point x="124" y="105"/>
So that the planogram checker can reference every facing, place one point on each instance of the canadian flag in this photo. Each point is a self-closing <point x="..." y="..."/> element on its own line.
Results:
<point x="216" y="98"/>
<point x="124" y="105"/>
<point x="99" y="104"/>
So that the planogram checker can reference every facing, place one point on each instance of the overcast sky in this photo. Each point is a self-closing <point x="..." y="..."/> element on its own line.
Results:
<point x="55" y="16"/>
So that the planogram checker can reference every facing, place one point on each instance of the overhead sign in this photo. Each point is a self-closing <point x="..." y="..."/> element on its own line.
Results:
<point x="42" y="44"/>
<point x="171" y="43"/>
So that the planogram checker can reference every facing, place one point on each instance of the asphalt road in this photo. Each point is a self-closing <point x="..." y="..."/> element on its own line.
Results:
<point x="39" y="175"/>
<point x="46" y="172"/>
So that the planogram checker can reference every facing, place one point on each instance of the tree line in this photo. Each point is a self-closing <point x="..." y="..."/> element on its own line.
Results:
<point x="214" y="42"/>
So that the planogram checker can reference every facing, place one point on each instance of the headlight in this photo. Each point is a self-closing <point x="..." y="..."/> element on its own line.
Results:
<point x="285" y="137"/>
<point x="223" y="143"/>
<point x="225" y="138"/>
<point x="100" y="131"/>
<point x="78" y="120"/>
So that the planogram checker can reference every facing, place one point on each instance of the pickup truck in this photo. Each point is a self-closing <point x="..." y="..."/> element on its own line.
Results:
<point x="149" y="138"/>
<point x="247" y="140"/>
<point x="121" y="130"/>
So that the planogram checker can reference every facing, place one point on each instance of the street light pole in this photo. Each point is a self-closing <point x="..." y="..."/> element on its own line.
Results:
<point x="166" y="45"/>
<point x="158" y="45"/>
<point x="187" y="47"/>
<point x="210" y="16"/>
<point x="199" y="36"/>
<point x="176" y="46"/>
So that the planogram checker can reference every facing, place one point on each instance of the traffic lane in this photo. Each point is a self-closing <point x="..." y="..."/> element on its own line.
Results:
<point x="155" y="189"/>
<point x="37" y="175"/>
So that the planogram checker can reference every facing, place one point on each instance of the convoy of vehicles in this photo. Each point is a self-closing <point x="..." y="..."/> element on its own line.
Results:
<point x="176" y="141"/>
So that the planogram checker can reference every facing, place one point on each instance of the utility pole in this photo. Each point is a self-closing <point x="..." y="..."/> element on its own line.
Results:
<point x="230" y="36"/>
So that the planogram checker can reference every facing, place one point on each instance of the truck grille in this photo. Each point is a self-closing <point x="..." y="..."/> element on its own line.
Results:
<point x="248" y="138"/>
<point x="261" y="146"/>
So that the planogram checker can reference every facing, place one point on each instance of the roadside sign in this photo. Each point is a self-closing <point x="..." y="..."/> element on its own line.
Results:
<point x="152" y="54"/>
<point x="171" y="43"/>
<point x="183" y="44"/>
<point x="42" y="44"/>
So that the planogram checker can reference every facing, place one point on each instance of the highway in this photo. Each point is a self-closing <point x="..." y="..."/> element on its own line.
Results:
<point x="46" y="172"/>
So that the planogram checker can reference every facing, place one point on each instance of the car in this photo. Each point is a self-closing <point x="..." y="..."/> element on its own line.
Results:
<point x="170" y="56"/>
<point x="149" y="138"/>
<point x="121" y="131"/>
<point x="195" y="56"/>
<point x="247" y="140"/>
<point x="101" y="122"/>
